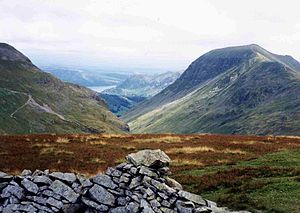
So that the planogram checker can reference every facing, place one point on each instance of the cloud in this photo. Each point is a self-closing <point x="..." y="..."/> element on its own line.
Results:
<point x="145" y="34"/>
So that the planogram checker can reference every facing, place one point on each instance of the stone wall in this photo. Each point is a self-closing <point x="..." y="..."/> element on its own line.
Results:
<point x="139" y="185"/>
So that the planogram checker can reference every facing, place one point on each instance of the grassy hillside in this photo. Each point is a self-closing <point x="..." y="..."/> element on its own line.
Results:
<point x="258" y="93"/>
<point x="242" y="172"/>
<point x="33" y="101"/>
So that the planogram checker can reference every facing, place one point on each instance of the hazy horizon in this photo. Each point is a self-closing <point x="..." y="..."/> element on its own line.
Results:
<point x="144" y="36"/>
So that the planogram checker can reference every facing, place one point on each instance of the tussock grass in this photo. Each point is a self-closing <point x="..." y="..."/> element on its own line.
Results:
<point x="165" y="139"/>
<point x="98" y="143"/>
<point x="62" y="140"/>
<point x="190" y="150"/>
<point x="97" y="160"/>
<point x="186" y="162"/>
<point x="55" y="151"/>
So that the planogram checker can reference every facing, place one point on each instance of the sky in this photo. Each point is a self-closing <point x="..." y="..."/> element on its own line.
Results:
<point x="144" y="35"/>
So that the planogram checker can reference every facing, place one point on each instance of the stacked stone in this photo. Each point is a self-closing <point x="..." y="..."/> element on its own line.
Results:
<point x="139" y="185"/>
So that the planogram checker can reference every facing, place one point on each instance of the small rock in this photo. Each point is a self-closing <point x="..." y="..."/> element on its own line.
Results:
<point x="104" y="180"/>
<point x="42" y="180"/>
<point x="192" y="197"/>
<point x="135" y="182"/>
<point x="56" y="203"/>
<point x="17" y="191"/>
<point x="30" y="186"/>
<point x="99" y="194"/>
<point x="173" y="183"/>
<point x="121" y="209"/>
<point x="93" y="204"/>
<point x="63" y="190"/>
<point x="68" y="177"/>
<point x="26" y="172"/>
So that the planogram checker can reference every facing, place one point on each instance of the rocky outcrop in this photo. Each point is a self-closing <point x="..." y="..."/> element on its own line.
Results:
<point x="139" y="185"/>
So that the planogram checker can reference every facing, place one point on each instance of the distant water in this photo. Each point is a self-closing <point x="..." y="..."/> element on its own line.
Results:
<point x="101" y="88"/>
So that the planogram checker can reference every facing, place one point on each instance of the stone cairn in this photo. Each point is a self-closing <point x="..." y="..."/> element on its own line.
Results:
<point x="139" y="185"/>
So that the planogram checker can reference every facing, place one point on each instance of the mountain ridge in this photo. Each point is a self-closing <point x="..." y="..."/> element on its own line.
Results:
<point x="36" y="102"/>
<point x="218" y="94"/>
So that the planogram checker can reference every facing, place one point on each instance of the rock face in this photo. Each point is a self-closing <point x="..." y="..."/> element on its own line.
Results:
<point x="138" y="185"/>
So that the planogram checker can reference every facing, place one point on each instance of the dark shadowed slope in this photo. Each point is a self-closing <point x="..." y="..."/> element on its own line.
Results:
<point x="244" y="90"/>
<point x="33" y="101"/>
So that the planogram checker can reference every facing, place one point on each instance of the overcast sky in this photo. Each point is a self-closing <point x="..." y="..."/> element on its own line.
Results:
<point x="145" y="35"/>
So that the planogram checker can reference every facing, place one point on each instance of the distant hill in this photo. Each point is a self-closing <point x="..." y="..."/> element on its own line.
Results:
<point x="235" y="90"/>
<point x="143" y="85"/>
<point x="86" y="78"/>
<point x="33" y="101"/>
<point x="135" y="89"/>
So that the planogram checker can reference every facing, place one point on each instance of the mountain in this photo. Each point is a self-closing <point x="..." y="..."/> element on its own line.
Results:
<point x="234" y="90"/>
<point x="135" y="89"/>
<point x="143" y="85"/>
<point x="33" y="101"/>
<point x="86" y="78"/>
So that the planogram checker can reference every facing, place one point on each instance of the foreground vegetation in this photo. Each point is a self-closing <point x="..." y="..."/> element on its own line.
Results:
<point x="241" y="172"/>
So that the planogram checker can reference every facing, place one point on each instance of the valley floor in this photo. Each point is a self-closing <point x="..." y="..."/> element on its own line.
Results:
<point x="241" y="172"/>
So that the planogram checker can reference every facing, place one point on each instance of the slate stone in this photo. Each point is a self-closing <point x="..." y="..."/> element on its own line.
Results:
<point x="30" y="186"/>
<point x="192" y="197"/>
<point x="149" y="158"/>
<point x="104" y="180"/>
<point x="146" y="171"/>
<point x="121" y="209"/>
<point x="10" y="208"/>
<point x="101" y="195"/>
<point x="173" y="183"/>
<point x="167" y="210"/>
<point x="94" y="205"/>
<point x="63" y="190"/>
<point x="53" y="202"/>
<point x="42" y="180"/>
<point x="5" y="177"/>
<point x="113" y="172"/>
<point x="37" y="173"/>
<point x="182" y="208"/>
<point x="26" y="172"/>
<point x="27" y="208"/>
<point x="146" y="207"/>
<point x="67" y="177"/>
<point x="135" y="182"/>
<point x="121" y="201"/>
<point x="17" y="191"/>
<point x="163" y="187"/>
<point x="133" y="207"/>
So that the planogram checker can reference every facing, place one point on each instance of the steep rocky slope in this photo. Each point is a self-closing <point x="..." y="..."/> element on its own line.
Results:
<point x="236" y="90"/>
<point x="139" y="185"/>
<point x="33" y="101"/>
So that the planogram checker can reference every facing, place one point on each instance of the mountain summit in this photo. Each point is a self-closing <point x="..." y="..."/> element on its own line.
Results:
<point x="236" y="90"/>
<point x="33" y="101"/>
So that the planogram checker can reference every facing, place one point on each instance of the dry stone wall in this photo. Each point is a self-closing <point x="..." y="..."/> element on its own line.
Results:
<point x="139" y="185"/>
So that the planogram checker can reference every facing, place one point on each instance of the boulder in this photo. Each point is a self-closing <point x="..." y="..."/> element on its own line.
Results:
<point x="149" y="158"/>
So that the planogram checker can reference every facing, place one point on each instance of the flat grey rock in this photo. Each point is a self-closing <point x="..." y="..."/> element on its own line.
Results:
<point x="53" y="202"/>
<point x="42" y="180"/>
<point x="192" y="197"/>
<point x="104" y="180"/>
<point x="63" y="190"/>
<point x="68" y="177"/>
<point x="101" y="195"/>
<point x="149" y="158"/>
<point x="30" y="186"/>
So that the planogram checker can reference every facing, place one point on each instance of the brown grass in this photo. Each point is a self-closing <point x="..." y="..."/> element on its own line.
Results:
<point x="89" y="154"/>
